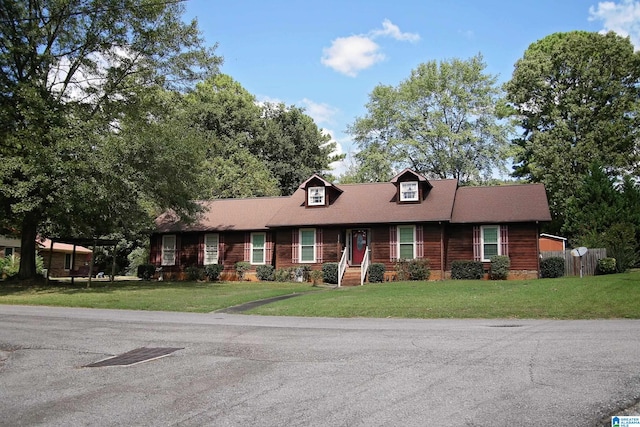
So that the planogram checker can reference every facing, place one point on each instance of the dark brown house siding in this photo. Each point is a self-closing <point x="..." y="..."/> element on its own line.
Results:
<point x="523" y="245"/>
<point x="190" y="250"/>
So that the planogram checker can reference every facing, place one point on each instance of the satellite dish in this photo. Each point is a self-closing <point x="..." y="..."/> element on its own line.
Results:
<point x="579" y="251"/>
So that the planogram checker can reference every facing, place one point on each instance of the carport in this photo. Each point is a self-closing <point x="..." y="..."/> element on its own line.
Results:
<point x="88" y="242"/>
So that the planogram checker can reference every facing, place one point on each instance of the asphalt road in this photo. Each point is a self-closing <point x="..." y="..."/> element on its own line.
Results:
<point x="237" y="370"/>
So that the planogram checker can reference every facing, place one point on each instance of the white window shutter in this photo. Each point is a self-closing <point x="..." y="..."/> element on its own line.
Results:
<point x="504" y="240"/>
<point x="294" y="246"/>
<point x="268" y="250"/>
<point x="393" y="243"/>
<point x="477" y="244"/>
<point x="247" y="247"/>
<point x="419" y="241"/>
<point x="319" y="246"/>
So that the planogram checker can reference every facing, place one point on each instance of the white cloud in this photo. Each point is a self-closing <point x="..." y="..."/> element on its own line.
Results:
<point x="623" y="18"/>
<point x="320" y="113"/>
<point x="392" y="30"/>
<point x="350" y="55"/>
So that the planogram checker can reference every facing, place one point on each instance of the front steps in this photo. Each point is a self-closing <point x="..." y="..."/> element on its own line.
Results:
<point x="351" y="277"/>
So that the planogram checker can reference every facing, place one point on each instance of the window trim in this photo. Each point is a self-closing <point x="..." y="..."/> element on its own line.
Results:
<point x="68" y="261"/>
<point x="498" y="242"/>
<point x="216" y="260"/>
<point x="415" y="198"/>
<point x="400" y="243"/>
<point x="322" y="194"/>
<point x="166" y="250"/>
<point x="301" y="246"/>
<point x="264" y="248"/>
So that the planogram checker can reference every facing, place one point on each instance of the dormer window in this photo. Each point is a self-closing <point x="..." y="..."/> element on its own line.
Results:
<point x="409" y="191"/>
<point x="315" y="196"/>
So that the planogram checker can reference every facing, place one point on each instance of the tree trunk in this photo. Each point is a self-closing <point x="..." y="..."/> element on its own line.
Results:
<point x="28" y="247"/>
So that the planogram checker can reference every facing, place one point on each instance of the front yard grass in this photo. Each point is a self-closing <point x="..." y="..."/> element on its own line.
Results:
<point x="198" y="297"/>
<point x="600" y="297"/>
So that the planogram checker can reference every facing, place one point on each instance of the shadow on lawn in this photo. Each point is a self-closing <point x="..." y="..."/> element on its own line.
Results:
<point x="14" y="286"/>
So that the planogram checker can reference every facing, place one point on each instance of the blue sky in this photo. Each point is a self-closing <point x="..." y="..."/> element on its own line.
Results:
<point x="327" y="56"/>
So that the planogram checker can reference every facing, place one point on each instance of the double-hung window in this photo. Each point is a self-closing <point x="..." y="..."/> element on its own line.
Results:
<point x="315" y="196"/>
<point x="308" y="245"/>
<point x="406" y="242"/>
<point x="169" y="249"/>
<point x="67" y="261"/>
<point x="490" y="235"/>
<point x="409" y="191"/>
<point x="258" y="248"/>
<point x="211" y="243"/>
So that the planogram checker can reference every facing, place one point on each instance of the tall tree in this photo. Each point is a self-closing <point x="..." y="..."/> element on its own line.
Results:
<point x="576" y="98"/>
<point x="605" y="213"/>
<point x="444" y="121"/>
<point x="253" y="149"/>
<point x="229" y="122"/>
<point x="293" y="146"/>
<point x="70" y="72"/>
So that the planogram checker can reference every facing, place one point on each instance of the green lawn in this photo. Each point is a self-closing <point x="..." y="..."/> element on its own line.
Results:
<point x="600" y="297"/>
<point x="614" y="296"/>
<point x="163" y="296"/>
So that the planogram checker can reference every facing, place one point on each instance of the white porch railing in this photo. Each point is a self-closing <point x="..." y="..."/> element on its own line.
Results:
<point x="342" y="266"/>
<point x="364" y="267"/>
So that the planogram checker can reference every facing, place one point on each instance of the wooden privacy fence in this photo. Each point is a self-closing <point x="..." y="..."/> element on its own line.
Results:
<point x="572" y="264"/>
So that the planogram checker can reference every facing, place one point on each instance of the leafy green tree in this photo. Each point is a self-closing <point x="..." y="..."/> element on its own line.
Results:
<point x="75" y="107"/>
<point x="252" y="149"/>
<point x="293" y="146"/>
<point x="576" y="98"/>
<point x="229" y="122"/>
<point x="603" y="213"/>
<point x="595" y="205"/>
<point x="444" y="121"/>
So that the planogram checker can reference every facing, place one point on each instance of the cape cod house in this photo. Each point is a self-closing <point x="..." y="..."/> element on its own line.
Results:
<point x="409" y="217"/>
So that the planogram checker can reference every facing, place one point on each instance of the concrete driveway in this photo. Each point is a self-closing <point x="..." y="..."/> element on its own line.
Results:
<point x="237" y="370"/>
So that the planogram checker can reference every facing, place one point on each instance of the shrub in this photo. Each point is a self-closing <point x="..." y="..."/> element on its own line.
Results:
<point x="282" y="275"/>
<point x="316" y="276"/>
<point x="213" y="271"/>
<point x="552" y="267"/>
<point x="402" y="269"/>
<point x="606" y="266"/>
<point x="330" y="272"/>
<point x="500" y="265"/>
<point x="419" y="269"/>
<point x="194" y="273"/>
<point x="146" y="271"/>
<point x="376" y="272"/>
<point x="620" y="241"/>
<point x="241" y="268"/>
<point x="300" y="273"/>
<point x="265" y="272"/>
<point x="467" y="270"/>
<point x="413" y="269"/>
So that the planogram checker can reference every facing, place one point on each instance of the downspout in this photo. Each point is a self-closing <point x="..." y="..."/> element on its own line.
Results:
<point x="73" y="264"/>
<point x="538" y="246"/>
<point x="442" y="258"/>
<point x="50" y="260"/>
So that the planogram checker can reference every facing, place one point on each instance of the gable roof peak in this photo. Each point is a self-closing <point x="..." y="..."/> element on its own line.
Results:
<point x="315" y="177"/>
<point x="410" y="172"/>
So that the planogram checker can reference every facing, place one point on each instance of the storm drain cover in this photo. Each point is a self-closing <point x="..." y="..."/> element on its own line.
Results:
<point x="139" y="355"/>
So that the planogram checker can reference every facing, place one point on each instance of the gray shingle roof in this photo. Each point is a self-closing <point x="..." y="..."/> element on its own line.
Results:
<point x="500" y="204"/>
<point x="371" y="204"/>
